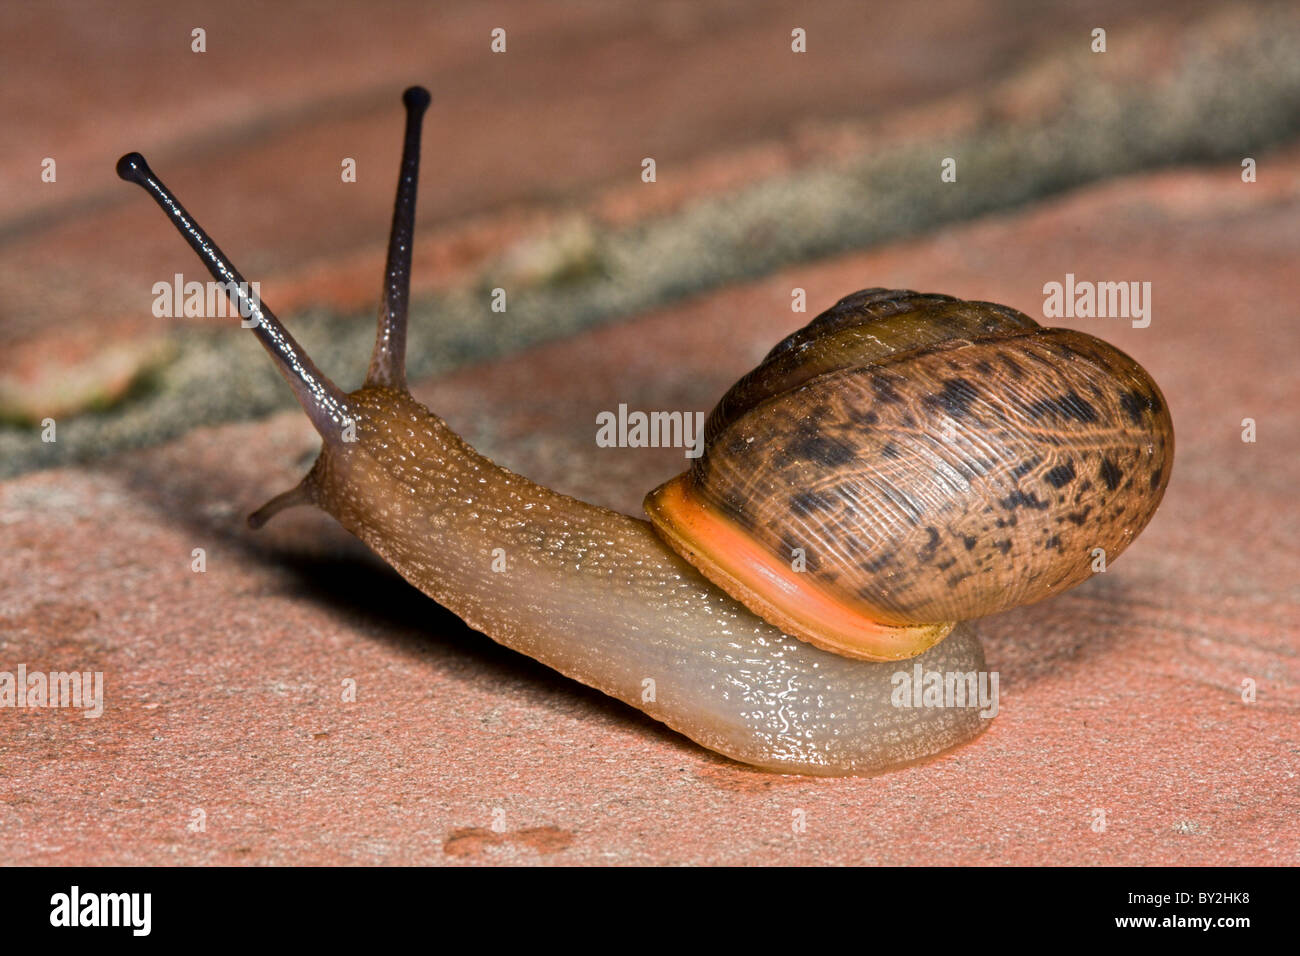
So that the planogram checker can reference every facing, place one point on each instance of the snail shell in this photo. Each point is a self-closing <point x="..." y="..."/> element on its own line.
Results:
<point x="929" y="459"/>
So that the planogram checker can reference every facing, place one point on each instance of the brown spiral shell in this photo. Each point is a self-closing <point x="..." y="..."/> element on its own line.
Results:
<point x="935" y="459"/>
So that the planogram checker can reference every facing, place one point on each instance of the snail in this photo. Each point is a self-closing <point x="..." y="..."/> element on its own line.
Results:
<point x="901" y="465"/>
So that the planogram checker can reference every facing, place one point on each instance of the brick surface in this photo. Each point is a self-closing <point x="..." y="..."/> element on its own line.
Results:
<point x="1124" y="695"/>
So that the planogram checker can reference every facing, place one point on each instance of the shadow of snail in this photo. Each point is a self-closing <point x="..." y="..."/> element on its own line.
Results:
<point x="901" y="465"/>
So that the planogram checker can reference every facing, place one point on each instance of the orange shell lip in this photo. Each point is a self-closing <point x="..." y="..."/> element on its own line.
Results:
<point x="791" y="600"/>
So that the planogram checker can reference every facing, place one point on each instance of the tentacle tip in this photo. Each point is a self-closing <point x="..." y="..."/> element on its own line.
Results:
<point x="133" y="168"/>
<point x="416" y="98"/>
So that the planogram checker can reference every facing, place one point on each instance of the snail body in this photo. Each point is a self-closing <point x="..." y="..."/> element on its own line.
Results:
<point x="595" y="595"/>
<point x="826" y="448"/>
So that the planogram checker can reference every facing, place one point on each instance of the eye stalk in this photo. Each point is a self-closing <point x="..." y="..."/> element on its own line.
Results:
<point x="322" y="400"/>
<point x="325" y="403"/>
<point x="388" y="363"/>
<point x="328" y="408"/>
